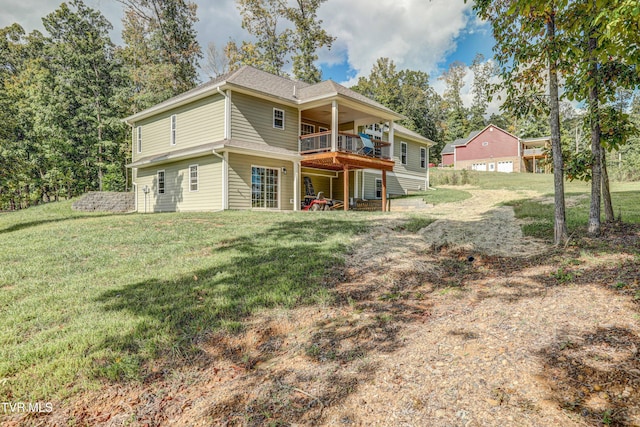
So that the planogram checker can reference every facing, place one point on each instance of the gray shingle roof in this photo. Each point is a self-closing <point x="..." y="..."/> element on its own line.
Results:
<point x="447" y="149"/>
<point x="269" y="84"/>
<point x="410" y="133"/>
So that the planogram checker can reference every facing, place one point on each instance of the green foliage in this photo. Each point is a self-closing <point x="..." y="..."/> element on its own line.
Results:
<point x="274" y="47"/>
<point x="60" y="123"/>
<point x="309" y="36"/>
<point x="161" y="52"/>
<point x="407" y="92"/>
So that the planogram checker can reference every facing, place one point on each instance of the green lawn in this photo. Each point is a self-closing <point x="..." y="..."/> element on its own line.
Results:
<point x="86" y="297"/>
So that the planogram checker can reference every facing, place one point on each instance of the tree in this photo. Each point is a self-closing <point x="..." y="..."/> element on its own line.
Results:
<point x="81" y="59"/>
<point x="161" y="51"/>
<point x="309" y="36"/>
<point x="456" y="123"/>
<point x="527" y="50"/>
<point x="216" y="61"/>
<point x="407" y="92"/>
<point x="597" y="77"/>
<point x="483" y="72"/>
<point x="276" y="46"/>
<point x="269" y="52"/>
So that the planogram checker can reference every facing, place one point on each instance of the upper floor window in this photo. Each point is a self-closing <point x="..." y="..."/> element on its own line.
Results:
<point x="174" y="120"/>
<point x="485" y="143"/>
<point x="403" y="153"/>
<point x="193" y="178"/>
<point x="278" y="118"/>
<point x="139" y="138"/>
<point x="306" y="129"/>
<point x="423" y="157"/>
<point x="160" y="182"/>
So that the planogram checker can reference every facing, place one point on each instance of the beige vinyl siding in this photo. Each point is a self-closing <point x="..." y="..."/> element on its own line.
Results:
<point x="413" y="156"/>
<point x="396" y="185"/>
<point x="252" y="121"/>
<point x="320" y="183"/>
<point x="197" y="123"/>
<point x="177" y="197"/>
<point x="240" y="180"/>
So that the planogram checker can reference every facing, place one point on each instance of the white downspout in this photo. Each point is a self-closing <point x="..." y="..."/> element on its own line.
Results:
<point x="225" y="177"/>
<point x="227" y="112"/>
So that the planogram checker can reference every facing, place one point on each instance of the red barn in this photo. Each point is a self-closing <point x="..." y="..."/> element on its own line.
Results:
<point x="491" y="149"/>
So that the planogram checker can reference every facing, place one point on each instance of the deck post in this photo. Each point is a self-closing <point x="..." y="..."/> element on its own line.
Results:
<point x="384" y="190"/>
<point x="345" y="180"/>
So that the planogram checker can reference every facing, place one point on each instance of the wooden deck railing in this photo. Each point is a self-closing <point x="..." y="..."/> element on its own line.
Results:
<point x="533" y="152"/>
<point x="348" y="143"/>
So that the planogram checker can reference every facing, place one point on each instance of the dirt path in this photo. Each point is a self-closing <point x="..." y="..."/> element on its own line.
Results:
<point x="420" y="336"/>
<point x="497" y="345"/>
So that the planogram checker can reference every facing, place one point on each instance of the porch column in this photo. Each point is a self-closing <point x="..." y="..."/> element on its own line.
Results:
<point x="296" y="186"/>
<point x="384" y="190"/>
<point x="334" y="125"/>
<point x="345" y="182"/>
<point x="391" y="138"/>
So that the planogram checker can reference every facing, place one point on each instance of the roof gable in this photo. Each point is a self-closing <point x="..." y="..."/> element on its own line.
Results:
<point x="476" y="134"/>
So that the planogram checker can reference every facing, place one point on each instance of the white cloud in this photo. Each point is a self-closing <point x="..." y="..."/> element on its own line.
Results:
<point x="415" y="34"/>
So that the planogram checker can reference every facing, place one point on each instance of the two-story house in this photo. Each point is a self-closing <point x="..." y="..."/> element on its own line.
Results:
<point x="247" y="139"/>
<point x="496" y="150"/>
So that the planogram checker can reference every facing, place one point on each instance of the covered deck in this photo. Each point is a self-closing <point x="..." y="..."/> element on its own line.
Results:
<point x="338" y="145"/>
<point x="534" y="154"/>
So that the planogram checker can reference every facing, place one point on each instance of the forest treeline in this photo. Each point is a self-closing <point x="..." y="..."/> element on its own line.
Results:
<point x="64" y="91"/>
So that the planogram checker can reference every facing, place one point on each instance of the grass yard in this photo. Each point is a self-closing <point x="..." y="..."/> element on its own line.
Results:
<point x="165" y="317"/>
<point x="87" y="297"/>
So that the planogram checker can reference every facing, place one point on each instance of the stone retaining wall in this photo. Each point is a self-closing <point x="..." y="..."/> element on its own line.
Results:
<point x="105" y="201"/>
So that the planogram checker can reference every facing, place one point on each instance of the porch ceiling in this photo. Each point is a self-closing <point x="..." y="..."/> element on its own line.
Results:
<point x="346" y="114"/>
<point x="337" y="160"/>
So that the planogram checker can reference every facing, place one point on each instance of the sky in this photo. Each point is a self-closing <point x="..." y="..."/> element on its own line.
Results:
<point x="416" y="34"/>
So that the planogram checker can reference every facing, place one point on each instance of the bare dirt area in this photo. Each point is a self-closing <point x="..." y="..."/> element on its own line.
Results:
<point x="464" y="323"/>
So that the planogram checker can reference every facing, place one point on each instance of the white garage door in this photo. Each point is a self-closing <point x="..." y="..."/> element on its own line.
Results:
<point x="505" y="166"/>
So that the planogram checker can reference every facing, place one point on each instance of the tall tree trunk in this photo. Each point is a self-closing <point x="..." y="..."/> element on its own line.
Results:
<point x="560" y="234"/>
<point x="596" y="167"/>
<point x="606" y="194"/>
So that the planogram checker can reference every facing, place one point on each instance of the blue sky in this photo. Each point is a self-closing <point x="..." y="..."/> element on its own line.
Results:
<point x="415" y="34"/>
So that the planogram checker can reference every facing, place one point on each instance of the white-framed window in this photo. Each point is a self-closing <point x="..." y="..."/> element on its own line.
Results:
<point x="403" y="153"/>
<point x="278" y="118"/>
<point x="306" y="129"/>
<point x="485" y="143"/>
<point x="423" y="157"/>
<point x="174" y="123"/>
<point x="139" y="138"/>
<point x="193" y="178"/>
<point x="374" y="131"/>
<point x="492" y="167"/>
<point x="265" y="187"/>
<point x="161" y="182"/>
<point x="378" y="188"/>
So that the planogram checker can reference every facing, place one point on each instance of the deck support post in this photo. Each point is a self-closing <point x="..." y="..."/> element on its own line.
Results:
<point x="384" y="190"/>
<point x="345" y="180"/>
